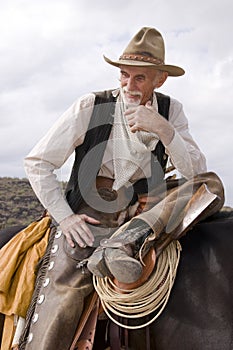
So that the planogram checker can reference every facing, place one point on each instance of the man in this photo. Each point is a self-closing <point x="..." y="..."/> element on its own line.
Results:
<point x="122" y="139"/>
<point x="140" y="76"/>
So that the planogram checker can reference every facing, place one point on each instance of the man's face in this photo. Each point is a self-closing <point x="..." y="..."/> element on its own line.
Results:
<point x="138" y="83"/>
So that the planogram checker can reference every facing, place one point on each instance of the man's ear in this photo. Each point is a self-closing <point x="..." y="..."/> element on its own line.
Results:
<point x="162" y="78"/>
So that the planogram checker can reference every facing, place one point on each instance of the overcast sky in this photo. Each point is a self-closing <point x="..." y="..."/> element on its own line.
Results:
<point x="51" y="52"/>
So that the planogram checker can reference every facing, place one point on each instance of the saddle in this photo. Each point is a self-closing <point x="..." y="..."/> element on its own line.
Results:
<point x="85" y="333"/>
<point x="199" y="202"/>
<point x="84" y="337"/>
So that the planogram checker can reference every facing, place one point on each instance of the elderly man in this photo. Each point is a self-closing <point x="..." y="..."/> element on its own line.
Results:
<point x="122" y="140"/>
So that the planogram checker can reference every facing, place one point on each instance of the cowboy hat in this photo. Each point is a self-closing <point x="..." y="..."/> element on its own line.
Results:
<point x="146" y="49"/>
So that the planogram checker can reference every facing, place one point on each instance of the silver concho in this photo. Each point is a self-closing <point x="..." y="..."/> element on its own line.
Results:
<point x="58" y="234"/>
<point x="35" y="318"/>
<point x="54" y="248"/>
<point x="40" y="299"/>
<point x="46" y="282"/>
<point x="51" y="265"/>
<point x="30" y="336"/>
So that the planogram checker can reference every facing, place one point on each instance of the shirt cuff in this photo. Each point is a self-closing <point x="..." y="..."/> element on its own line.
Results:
<point x="177" y="145"/>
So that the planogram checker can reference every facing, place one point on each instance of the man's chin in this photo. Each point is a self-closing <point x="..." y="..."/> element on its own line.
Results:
<point x="130" y="103"/>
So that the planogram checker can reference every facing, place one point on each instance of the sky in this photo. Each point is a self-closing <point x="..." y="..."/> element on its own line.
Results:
<point x="51" y="53"/>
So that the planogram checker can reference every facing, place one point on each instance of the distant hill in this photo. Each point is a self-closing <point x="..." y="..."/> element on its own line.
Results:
<point x="18" y="203"/>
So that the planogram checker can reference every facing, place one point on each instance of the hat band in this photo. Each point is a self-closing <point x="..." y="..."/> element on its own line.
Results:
<point x="137" y="57"/>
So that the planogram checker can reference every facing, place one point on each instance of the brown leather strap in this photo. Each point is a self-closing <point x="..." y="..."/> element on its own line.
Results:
<point x="84" y="337"/>
<point x="119" y="337"/>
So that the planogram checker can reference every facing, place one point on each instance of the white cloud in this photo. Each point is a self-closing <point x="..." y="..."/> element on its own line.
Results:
<point x="51" y="53"/>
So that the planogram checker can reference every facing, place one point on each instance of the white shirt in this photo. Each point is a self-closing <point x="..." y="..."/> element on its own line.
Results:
<point x="69" y="131"/>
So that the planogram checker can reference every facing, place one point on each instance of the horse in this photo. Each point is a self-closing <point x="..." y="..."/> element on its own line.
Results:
<point x="199" y="313"/>
<point x="9" y="232"/>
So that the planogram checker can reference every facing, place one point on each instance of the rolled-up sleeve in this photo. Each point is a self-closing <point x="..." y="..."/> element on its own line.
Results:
<point x="52" y="151"/>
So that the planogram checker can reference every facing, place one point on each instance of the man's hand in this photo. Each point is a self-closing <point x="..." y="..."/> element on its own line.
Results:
<point x="146" y="118"/>
<point x="74" y="228"/>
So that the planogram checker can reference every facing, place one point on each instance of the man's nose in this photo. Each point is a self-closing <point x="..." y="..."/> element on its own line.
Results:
<point x="131" y="84"/>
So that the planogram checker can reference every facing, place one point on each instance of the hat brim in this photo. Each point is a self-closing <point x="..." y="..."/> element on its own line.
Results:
<point x="173" y="71"/>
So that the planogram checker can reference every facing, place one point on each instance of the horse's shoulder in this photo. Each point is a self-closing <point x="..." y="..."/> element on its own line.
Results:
<point x="223" y="215"/>
<point x="225" y="212"/>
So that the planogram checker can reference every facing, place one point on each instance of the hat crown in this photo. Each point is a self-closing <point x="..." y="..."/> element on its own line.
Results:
<point x="148" y="42"/>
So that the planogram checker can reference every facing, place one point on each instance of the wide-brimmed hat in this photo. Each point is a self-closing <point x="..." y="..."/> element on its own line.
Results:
<point x="146" y="49"/>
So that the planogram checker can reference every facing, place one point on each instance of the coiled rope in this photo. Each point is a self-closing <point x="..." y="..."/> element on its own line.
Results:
<point x="151" y="296"/>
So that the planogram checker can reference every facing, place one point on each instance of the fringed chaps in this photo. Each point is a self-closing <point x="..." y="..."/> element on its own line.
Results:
<point x="58" y="299"/>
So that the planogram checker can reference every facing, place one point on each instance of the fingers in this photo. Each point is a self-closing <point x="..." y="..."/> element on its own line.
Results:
<point x="130" y="111"/>
<point x="132" y="117"/>
<point x="75" y="229"/>
<point x="140" y="109"/>
<point x="136" y="118"/>
<point x="134" y="123"/>
<point x="69" y="239"/>
<point x="142" y="118"/>
<point x="89" y="219"/>
<point x="134" y="127"/>
<point x="83" y="235"/>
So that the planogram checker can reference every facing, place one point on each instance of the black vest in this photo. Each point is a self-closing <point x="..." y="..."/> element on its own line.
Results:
<point x="89" y="155"/>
